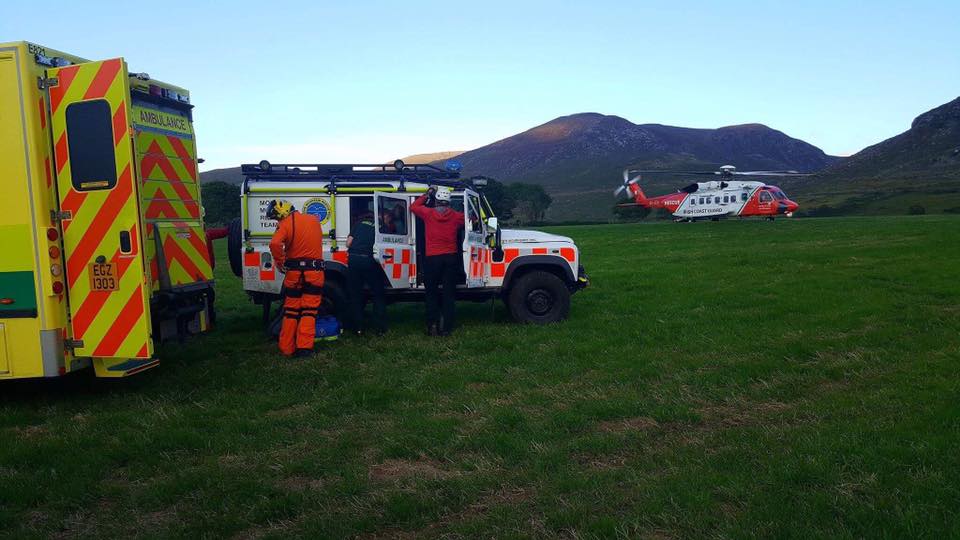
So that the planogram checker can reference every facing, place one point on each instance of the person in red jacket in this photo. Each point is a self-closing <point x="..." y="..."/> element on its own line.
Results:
<point x="442" y="263"/>
<point x="297" y="249"/>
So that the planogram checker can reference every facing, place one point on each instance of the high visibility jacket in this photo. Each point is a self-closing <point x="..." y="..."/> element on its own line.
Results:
<point x="298" y="236"/>
<point x="442" y="227"/>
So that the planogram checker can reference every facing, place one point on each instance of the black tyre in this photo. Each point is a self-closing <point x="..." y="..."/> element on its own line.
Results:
<point x="334" y="300"/>
<point x="539" y="298"/>
<point x="235" y="246"/>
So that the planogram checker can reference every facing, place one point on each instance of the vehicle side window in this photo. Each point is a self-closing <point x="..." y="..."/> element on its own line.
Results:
<point x="743" y="196"/>
<point x="726" y="198"/>
<point x="473" y="214"/>
<point x="392" y="215"/>
<point x="693" y="201"/>
<point x="765" y="196"/>
<point x="93" y="162"/>
<point x="701" y="200"/>
<point x="716" y="200"/>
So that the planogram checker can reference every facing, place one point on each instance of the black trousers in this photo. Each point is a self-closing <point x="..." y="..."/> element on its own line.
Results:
<point x="363" y="270"/>
<point x="441" y="308"/>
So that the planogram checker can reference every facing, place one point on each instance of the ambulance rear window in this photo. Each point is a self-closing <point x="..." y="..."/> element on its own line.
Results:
<point x="90" y="141"/>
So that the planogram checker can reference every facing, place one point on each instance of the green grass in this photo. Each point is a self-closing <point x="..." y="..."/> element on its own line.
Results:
<point x="789" y="379"/>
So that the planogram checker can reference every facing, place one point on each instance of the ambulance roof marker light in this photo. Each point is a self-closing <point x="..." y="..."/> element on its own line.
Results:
<point x="265" y="166"/>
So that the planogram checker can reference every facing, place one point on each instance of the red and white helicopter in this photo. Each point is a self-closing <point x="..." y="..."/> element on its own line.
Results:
<point x="724" y="197"/>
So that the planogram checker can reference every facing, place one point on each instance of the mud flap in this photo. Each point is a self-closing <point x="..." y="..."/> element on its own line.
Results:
<point x="122" y="367"/>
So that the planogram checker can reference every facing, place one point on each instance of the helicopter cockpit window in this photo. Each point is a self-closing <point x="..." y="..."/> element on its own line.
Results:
<point x="765" y="196"/>
<point x="743" y="196"/>
<point x="779" y="195"/>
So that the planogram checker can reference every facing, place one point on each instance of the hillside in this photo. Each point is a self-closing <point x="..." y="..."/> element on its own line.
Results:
<point x="418" y="159"/>
<point x="918" y="168"/>
<point x="579" y="158"/>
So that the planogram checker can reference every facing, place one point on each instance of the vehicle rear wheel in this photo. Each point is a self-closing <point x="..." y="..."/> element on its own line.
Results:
<point x="539" y="298"/>
<point x="334" y="301"/>
<point x="235" y="246"/>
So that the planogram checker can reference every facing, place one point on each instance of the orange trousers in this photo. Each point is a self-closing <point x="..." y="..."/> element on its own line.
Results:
<point x="303" y="292"/>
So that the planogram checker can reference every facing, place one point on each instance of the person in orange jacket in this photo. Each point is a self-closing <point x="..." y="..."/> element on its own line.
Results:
<point x="297" y="249"/>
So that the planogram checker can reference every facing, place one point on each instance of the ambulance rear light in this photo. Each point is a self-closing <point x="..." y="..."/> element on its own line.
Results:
<point x="6" y="301"/>
<point x="54" y="252"/>
<point x="57" y="287"/>
<point x="55" y="269"/>
<point x="52" y="234"/>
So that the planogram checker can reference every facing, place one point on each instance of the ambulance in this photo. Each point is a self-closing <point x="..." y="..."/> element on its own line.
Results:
<point x="104" y="248"/>
<point x="534" y="273"/>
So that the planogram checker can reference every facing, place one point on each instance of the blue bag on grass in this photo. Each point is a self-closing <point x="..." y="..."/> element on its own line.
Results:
<point x="328" y="328"/>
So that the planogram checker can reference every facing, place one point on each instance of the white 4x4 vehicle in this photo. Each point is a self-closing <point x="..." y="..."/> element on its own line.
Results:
<point x="534" y="273"/>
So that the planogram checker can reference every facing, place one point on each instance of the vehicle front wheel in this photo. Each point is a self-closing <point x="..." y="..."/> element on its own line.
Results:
<point x="539" y="298"/>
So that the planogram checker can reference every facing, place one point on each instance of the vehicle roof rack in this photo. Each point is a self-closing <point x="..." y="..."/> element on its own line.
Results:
<point x="351" y="173"/>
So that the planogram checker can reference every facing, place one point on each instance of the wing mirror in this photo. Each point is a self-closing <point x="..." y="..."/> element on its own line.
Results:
<point x="492" y="223"/>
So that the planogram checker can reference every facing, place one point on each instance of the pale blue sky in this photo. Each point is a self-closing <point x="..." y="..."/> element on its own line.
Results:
<point x="372" y="81"/>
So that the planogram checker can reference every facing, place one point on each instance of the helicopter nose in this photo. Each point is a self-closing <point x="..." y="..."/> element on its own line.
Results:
<point x="792" y="206"/>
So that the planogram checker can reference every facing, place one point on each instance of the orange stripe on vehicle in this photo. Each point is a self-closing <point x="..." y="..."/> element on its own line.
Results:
<point x="66" y="77"/>
<point x="568" y="254"/>
<point x="91" y="306"/>
<point x="200" y="245"/>
<point x="251" y="259"/>
<point x="510" y="254"/>
<point x="184" y="155"/>
<point x="340" y="257"/>
<point x="43" y="115"/>
<point x="142" y="353"/>
<point x="539" y="251"/>
<point x="173" y="252"/>
<point x="160" y="207"/>
<point x="119" y="124"/>
<point x="73" y="200"/>
<point x="99" y="226"/>
<point x="60" y="152"/>
<point x="126" y="320"/>
<point x="103" y="79"/>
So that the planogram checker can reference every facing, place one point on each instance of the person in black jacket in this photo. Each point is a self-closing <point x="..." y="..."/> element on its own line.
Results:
<point x="363" y="269"/>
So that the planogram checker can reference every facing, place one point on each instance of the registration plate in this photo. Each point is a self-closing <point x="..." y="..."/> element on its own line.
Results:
<point x="103" y="277"/>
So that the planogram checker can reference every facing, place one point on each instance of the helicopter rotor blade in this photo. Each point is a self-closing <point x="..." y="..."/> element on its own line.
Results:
<point x="770" y="173"/>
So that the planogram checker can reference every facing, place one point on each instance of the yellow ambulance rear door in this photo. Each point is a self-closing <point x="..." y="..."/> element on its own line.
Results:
<point x="99" y="210"/>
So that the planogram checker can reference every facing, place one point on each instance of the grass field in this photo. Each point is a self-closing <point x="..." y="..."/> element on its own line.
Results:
<point x="789" y="379"/>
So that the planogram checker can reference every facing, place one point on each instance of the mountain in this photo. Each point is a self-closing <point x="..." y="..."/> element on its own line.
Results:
<point x="917" y="169"/>
<point x="417" y="159"/>
<point x="230" y="175"/>
<point x="580" y="158"/>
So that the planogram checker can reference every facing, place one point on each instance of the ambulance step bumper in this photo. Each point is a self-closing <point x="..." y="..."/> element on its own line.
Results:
<point x="120" y="367"/>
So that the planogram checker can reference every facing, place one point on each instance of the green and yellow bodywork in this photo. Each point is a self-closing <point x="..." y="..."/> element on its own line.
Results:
<point x="106" y="253"/>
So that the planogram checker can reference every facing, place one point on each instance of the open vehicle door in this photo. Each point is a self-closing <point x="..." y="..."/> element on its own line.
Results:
<point x="476" y="254"/>
<point x="100" y="214"/>
<point x="392" y="247"/>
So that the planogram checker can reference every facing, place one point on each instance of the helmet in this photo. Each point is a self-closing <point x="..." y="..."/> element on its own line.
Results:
<point x="279" y="209"/>
<point x="443" y="194"/>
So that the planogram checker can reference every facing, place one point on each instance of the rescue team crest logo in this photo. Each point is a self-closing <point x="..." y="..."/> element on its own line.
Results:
<point x="319" y="208"/>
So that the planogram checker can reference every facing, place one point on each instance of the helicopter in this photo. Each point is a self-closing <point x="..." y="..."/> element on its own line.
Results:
<point x="724" y="197"/>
